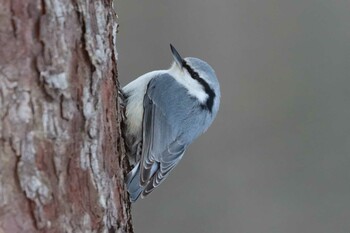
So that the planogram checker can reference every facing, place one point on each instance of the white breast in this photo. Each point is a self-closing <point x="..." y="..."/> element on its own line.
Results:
<point x="134" y="109"/>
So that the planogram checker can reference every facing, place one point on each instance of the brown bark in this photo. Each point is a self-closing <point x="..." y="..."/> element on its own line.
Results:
<point x="62" y="160"/>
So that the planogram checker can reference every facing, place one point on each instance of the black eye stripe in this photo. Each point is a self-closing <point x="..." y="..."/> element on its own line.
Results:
<point x="211" y="94"/>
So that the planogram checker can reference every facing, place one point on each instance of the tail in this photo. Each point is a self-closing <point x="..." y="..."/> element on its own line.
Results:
<point x="133" y="183"/>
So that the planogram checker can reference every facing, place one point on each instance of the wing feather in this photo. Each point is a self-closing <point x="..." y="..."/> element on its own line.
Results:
<point x="161" y="147"/>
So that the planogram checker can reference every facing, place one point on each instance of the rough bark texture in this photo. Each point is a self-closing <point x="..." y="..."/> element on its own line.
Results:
<point x="62" y="160"/>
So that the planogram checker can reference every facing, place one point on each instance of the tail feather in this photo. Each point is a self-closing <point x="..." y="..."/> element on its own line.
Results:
<point x="133" y="183"/>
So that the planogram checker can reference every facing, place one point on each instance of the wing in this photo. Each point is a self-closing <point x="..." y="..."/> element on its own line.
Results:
<point x="164" y="168"/>
<point x="162" y="149"/>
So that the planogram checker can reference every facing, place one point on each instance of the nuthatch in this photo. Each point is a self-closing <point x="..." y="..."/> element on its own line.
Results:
<point x="165" y="111"/>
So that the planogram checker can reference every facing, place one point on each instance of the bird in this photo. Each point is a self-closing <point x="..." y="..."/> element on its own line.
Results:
<point x="165" y="111"/>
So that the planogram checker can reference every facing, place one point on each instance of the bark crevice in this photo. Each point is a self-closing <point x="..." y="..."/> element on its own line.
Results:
<point x="62" y="156"/>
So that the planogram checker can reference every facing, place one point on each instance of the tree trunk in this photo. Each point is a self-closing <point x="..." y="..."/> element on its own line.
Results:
<point x="62" y="160"/>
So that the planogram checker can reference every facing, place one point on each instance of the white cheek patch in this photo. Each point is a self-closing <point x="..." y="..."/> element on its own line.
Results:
<point x="193" y="86"/>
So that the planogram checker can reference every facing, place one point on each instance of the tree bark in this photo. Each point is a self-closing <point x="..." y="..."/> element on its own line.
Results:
<point x="62" y="157"/>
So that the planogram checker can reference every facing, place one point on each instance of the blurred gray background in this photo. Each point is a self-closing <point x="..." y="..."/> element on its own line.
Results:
<point x="276" y="159"/>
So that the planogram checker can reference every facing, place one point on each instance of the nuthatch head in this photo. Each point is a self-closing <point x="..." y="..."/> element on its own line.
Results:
<point x="165" y="111"/>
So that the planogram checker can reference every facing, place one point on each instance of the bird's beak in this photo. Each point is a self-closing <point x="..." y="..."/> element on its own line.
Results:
<point x="178" y="59"/>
